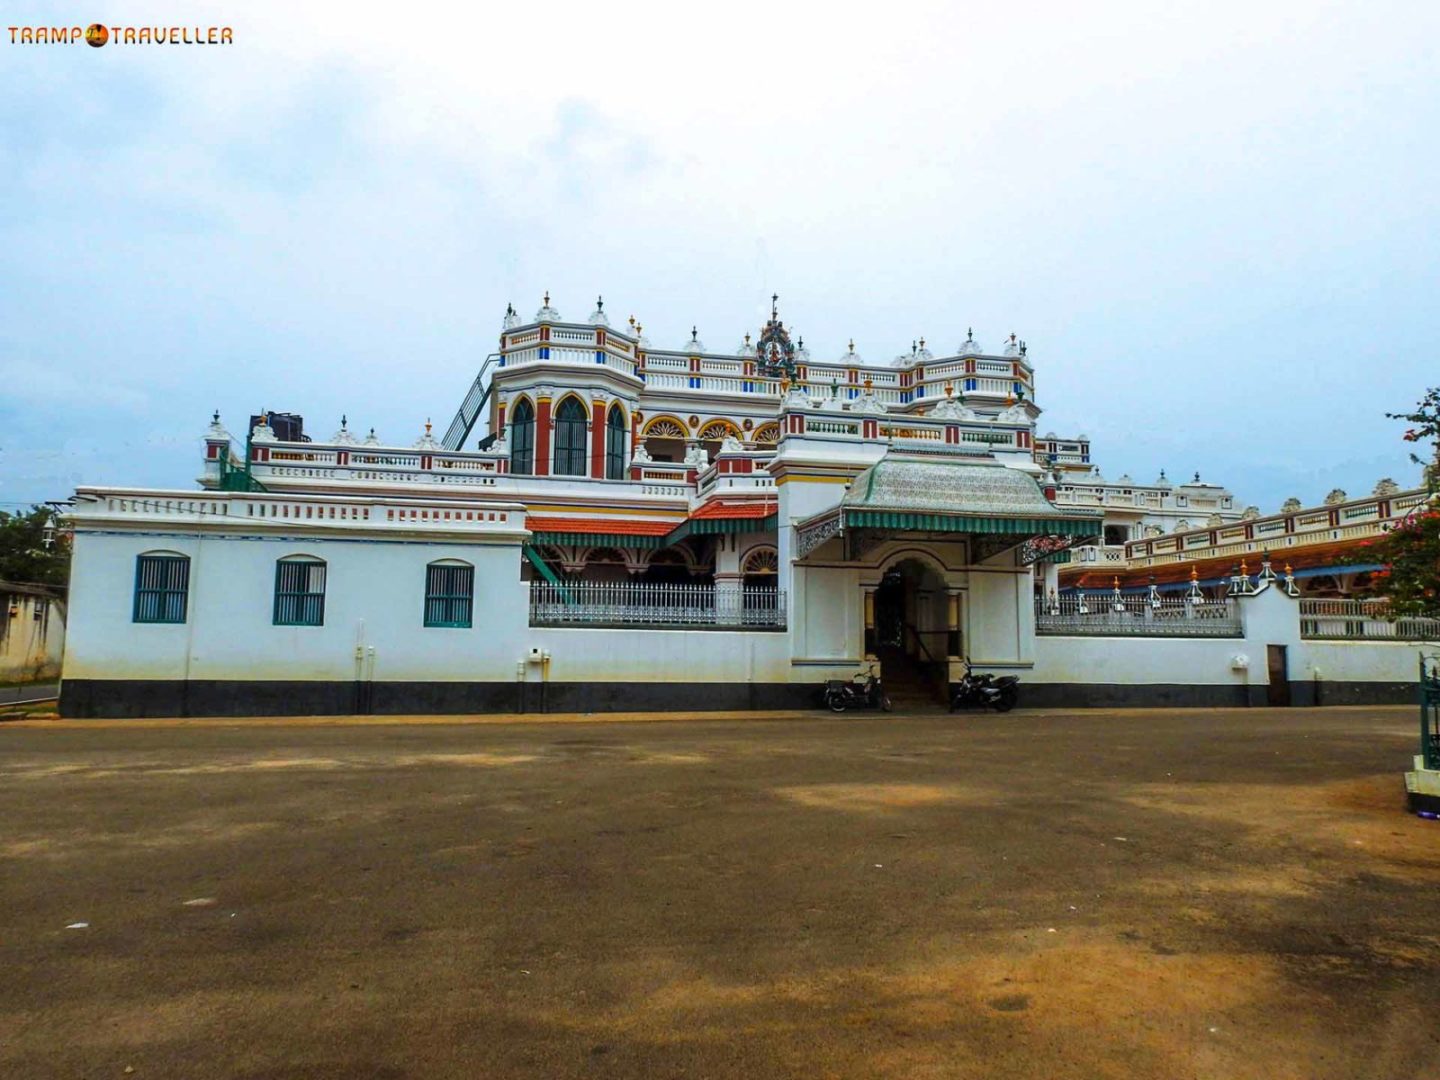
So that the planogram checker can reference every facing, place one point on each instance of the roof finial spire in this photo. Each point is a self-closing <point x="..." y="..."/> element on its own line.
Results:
<point x="774" y="305"/>
<point x="343" y="422"/>
<point x="694" y="333"/>
<point x="852" y="344"/>
<point x="547" y="297"/>
<point x="599" y="303"/>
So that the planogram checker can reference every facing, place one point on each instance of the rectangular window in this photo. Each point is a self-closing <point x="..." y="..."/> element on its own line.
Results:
<point x="299" y="592"/>
<point x="449" y="595"/>
<point x="162" y="583"/>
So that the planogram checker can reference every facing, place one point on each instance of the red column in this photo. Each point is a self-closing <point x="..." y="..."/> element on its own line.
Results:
<point x="542" y="437"/>
<point x="597" y="440"/>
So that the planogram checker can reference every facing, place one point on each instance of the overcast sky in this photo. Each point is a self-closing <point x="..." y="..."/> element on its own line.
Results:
<point x="1215" y="224"/>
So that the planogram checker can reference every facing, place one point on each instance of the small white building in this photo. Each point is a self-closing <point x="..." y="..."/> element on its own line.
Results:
<point x="32" y="632"/>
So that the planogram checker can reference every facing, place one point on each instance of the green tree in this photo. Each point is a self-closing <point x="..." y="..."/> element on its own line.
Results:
<point x="25" y="556"/>
<point x="1411" y="550"/>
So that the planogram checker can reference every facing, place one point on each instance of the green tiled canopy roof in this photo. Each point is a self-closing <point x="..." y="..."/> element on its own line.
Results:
<point x="945" y="496"/>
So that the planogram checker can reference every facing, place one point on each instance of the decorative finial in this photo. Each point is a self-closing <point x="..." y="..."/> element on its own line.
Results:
<point x="774" y="305"/>
<point x="1020" y="393"/>
<point x="912" y="348"/>
<point x="747" y="337"/>
<point x="632" y="322"/>
<point x="599" y="303"/>
<point x="547" y="297"/>
<point x="922" y="343"/>
<point x="852" y="345"/>
<point x="342" y="421"/>
<point x="509" y="309"/>
<point x="1012" y="339"/>
<point x="427" y="419"/>
<point x="1197" y="477"/>
<point x="694" y="334"/>
<point x="216" y="418"/>
<point x="949" y="389"/>
<point x="970" y="333"/>
<point x="1162" y="474"/>
<point x="372" y="431"/>
<point x="800" y="343"/>
<point x="868" y="383"/>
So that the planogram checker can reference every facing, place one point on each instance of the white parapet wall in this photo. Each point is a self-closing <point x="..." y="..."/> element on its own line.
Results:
<point x="1093" y="669"/>
<point x="372" y="649"/>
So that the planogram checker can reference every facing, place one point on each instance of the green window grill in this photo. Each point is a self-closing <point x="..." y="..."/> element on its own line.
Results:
<point x="615" y="444"/>
<point x="449" y="595"/>
<point x="162" y="588"/>
<point x="299" y="592"/>
<point x="522" y="439"/>
<point x="570" y="438"/>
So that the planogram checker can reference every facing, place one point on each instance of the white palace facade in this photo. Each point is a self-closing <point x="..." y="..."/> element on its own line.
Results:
<point x="610" y="525"/>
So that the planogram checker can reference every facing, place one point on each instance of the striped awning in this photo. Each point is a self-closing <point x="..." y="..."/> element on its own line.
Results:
<point x="599" y="532"/>
<point x="920" y="521"/>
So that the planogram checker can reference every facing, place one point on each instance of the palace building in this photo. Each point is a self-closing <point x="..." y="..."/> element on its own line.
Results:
<point x="607" y="524"/>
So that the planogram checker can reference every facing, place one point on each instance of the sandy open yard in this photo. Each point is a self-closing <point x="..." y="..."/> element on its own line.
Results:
<point x="1157" y="894"/>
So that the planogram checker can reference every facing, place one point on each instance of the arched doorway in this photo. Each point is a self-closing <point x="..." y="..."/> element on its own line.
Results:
<point x="912" y="631"/>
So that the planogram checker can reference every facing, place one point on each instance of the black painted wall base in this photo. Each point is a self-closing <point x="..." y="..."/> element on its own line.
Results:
<point x="1191" y="696"/>
<point x="126" y="698"/>
<point x="93" y="698"/>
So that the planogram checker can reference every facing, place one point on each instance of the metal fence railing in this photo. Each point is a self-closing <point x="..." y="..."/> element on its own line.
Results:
<point x="1361" y="620"/>
<point x="647" y="605"/>
<point x="1124" y="614"/>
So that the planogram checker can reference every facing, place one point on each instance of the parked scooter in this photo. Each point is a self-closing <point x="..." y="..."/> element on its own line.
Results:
<point x="985" y="691"/>
<point x="862" y="692"/>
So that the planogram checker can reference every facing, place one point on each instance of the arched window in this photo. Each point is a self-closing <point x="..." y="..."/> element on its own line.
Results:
<point x="570" y="438"/>
<point x="162" y="587"/>
<point x="522" y="438"/>
<point x="299" y="591"/>
<point x="449" y="593"/>
<point x="615" y="444"/>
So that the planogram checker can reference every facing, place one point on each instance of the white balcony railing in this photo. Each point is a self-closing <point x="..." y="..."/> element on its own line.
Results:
<point x="643" y="605"/>
<point x="1107" y="613"/>
<point x="1358" y="620"/>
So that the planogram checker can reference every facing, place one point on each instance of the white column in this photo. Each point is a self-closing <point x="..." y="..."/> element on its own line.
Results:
<point x="729" y="583"/>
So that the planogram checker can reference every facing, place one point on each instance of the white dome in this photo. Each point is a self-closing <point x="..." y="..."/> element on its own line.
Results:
<point x="969" y="347"/>
<point x="598" y="316"/>
<point x="546" y="312"/>
<point x="512" y="318"/>
<point x="802" y="354"/>
<point x="746" y="348"/>
<point x="1012" y="347"/>
<point x="694" y="345"/>
<point x="851" y="357"/>
<point x="922" y="354"/>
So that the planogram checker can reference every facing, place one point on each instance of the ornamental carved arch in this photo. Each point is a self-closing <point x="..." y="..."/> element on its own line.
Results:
<point x="665" y="427"/>
<point x="766" y="435"/>
<point x="715" y="430"/>
<point x="760" y="561"/>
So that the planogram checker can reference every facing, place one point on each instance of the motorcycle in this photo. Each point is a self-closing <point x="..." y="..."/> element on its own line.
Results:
<point x="862" y="692"/>
<point x="985" y="691"/>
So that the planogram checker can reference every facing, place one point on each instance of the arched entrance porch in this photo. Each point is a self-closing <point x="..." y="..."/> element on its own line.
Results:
<point x="912" y="624"/>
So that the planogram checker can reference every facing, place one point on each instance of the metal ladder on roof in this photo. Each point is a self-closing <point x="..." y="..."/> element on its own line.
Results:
<point x="470" y="409"/>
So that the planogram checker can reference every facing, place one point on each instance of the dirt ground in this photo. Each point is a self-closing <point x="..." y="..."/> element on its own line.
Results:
<point x="1215" y="894"/>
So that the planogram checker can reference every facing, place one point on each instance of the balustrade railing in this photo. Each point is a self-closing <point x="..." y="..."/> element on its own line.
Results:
<point x="649" y="605"/>
<point x="1107" y="613"/>
<point x="1360" y="620"/>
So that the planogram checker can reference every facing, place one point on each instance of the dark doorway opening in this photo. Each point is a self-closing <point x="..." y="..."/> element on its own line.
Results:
<point x="1278" y="692"/>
